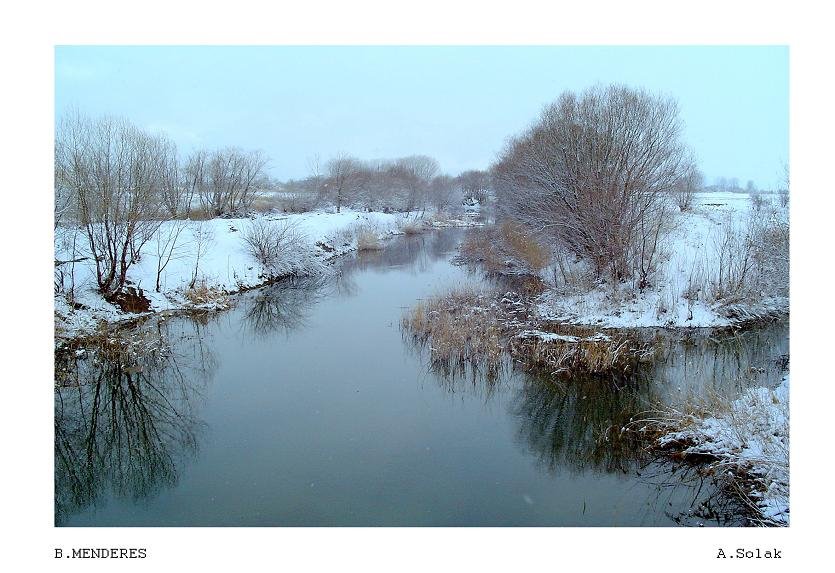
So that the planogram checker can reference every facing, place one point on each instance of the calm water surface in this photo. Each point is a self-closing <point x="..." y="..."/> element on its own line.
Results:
<point x="305" y="405"/>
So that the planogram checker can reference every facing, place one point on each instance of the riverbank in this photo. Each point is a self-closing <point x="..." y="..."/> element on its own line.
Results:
<point x="204" y="262"/>
<point x="743" y="443"/>
<point x="722" y="263"/>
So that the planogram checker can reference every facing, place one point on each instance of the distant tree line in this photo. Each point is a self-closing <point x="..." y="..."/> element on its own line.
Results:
<point x="119" y="183"/>
<point x="405" y="184"/>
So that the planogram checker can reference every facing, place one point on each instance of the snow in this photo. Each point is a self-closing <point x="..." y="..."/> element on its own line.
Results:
<point x="554" y="337"/>
<point x="751" y="438"/>
<point x="225" y="266"/>
<point x="675" y="298"/>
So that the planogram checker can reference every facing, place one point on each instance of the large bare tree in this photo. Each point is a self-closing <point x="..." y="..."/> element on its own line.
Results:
<point x="116" y="174"/>
<point x="594" y="174"/>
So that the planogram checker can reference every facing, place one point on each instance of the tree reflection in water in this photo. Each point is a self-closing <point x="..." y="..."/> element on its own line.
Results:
<point x="576" y="424"/>
<point x="707" y="363"/>
<point x="573" y="424"/>
<point x="127" y="418"/>
<point x="285" y="306"/>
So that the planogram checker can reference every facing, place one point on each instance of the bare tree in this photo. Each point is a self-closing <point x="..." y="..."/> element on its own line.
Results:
<point x="593" y="174"/>
<point x="475" y="185"/>
<point x="173" y="193"/>
<point x="115" y="172"/>
<point x="442" y="192"/>
<point x="168" y="246"/>
<point x="414" y="174"/>
<point x="203" y="238"/>
<point x="687" y="187"/>
<point x="193" y="177"/>
<point x="228" y="181"/>
<point x="783" y="192"/>
<point x="342" y="179"/>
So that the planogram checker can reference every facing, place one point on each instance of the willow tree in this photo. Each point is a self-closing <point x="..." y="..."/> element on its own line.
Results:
<point x="594" y="175"/>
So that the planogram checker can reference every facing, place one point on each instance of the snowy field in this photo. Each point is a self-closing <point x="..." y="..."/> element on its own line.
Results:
<point x="224" y="265"/>
<point x="679" y="292"/>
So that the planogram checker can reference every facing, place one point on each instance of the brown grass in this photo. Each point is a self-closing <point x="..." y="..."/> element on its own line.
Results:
<point x="478" y="247"/>
<point x="579" y="349"/>
<point x="506" y="249"/>
<point x="200" y="214"/>
<point x="264" y="204"/>
<point x="460" y="330"/>
<point x="412" y="227"/>
<point x="203" y="294"/>
<point x="468" y="328"/>
<point x="368" y="239"/>
<point x="524" y="247"/>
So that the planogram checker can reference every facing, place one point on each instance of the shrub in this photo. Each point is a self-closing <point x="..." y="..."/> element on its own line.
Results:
<point x="460" y="330"/>
<point x="412" y="227"/>
<point x="759" y="202"/>
<point x="264" y="203"/>
<point x="201" y="294"/>
<point x="367" y="240"/>
<point x="752" y="260"/>
<point x="276" y="245"/>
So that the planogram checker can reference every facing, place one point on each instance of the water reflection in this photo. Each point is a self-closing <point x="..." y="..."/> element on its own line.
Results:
<point x="575" y="425"/>
<point x="302" y="435"/>
<point x="723" y="363"/>
<point x="127" y="418"/>
<point x="413" y="253"/>
<point x="283" y="307"/>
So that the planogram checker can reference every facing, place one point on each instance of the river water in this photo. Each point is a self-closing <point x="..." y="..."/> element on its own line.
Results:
<point x="305" y="405"/>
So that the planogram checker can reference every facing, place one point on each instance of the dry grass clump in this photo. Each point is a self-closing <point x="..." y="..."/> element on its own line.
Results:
<point x="368" y="241"/>
<point x="295" y="202"/>
<point x="744" y="443"/>
<point x="202" y="294"/>
<point x="461" y="328"/>
<point x="107" y="344"/>
<point x="368" y="238"/>
<point x="507" y="250"/>
<point x="200" y="214"/>
<point x="264" y="204"/>
<point x="524" y="247"/>
<point x="468" y="328"/>
<point x="578" y="349"/>
<point x="412" y="227"/>
<point x="478" y="247"/>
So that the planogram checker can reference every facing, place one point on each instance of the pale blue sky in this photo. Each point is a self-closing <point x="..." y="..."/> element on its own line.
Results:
<point x="457" y="104"/>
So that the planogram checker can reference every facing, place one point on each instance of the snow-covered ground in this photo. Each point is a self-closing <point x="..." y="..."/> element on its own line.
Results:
<point x="224" y="265"/>
<point x="750" y="443"/>
<point x="679" y="292"/>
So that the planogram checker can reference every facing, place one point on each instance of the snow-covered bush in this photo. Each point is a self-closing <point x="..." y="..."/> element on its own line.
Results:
<point x="368" y="238"/>
<point x="752" y="259"/>
<point x="279" y="247"/>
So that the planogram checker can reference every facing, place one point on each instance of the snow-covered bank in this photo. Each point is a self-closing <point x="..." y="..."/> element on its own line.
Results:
<point x="209" y="260"/>
<point x="723" y="233"/>
<point x="748" y="443"/>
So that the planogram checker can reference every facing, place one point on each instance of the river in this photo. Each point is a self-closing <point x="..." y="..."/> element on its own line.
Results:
<point x="305" y="405"/>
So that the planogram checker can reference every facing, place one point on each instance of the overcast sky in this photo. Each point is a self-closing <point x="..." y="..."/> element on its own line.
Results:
<point x="457" y="104"/>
